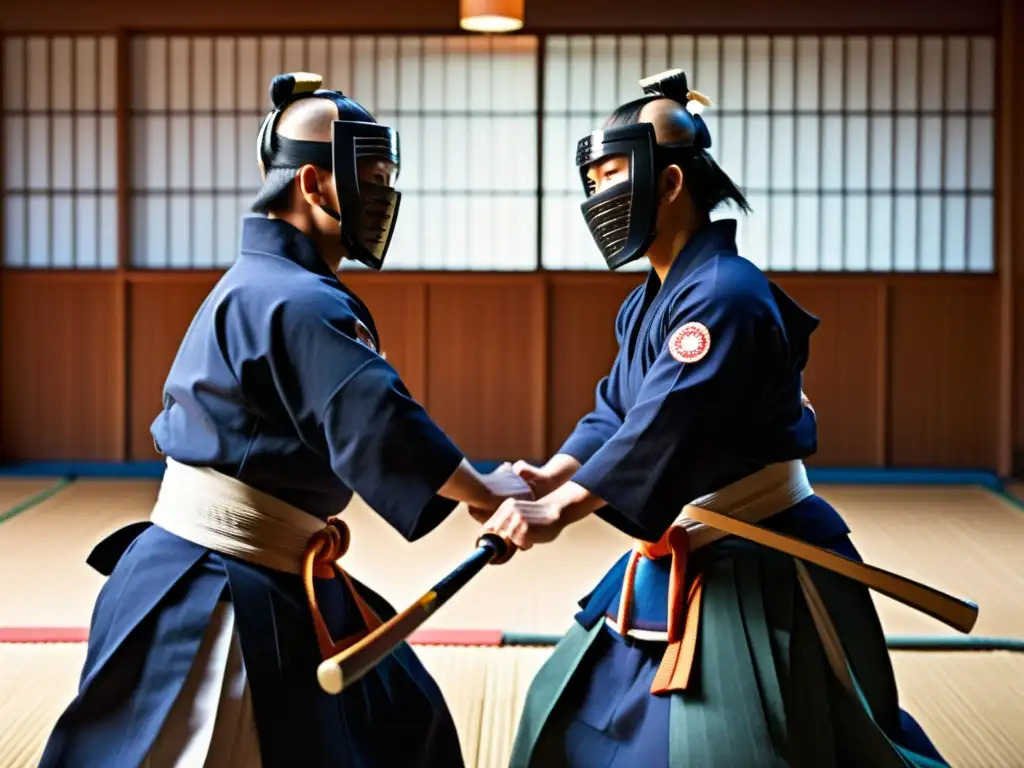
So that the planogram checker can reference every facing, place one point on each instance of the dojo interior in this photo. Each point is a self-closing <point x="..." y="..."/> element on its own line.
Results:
<point x="877" y="143"/>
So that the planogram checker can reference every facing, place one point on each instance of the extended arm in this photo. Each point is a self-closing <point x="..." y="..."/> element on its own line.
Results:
<point x="351" y="405"/>
<point x="643" y="475"/>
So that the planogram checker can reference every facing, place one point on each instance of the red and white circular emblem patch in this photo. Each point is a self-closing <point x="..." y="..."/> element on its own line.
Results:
<point x="690" y="343"/>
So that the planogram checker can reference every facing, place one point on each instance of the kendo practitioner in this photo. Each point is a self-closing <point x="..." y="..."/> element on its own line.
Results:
<point x="697" y="649"/>
<point x="206" y="637"/>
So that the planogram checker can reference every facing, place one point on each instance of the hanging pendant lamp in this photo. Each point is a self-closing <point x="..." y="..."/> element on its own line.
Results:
<point x="493" y="16"/>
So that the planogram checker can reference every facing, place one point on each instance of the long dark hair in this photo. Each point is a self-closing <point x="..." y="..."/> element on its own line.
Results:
<point x="709" y="186"/>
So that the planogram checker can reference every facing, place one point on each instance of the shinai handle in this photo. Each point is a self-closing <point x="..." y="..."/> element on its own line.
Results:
<point x="342" y="670"/>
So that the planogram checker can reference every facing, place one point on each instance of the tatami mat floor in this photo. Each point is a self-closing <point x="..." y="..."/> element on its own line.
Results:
<point x="43" y="550"/>
<point x="971" y="704"/>
<point x="15" y="491"/>
<point x="1016" y="489"/>
<point x="964" y="540"/>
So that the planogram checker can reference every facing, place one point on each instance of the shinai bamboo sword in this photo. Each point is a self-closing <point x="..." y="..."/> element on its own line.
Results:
<point x="343" y="669"/>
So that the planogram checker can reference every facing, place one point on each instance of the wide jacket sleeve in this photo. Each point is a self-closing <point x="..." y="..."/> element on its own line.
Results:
<point x="350" y="404"/>
<point x="687" y="406"/>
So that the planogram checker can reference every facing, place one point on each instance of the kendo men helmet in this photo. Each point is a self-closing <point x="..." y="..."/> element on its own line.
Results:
<point x="368" y="210"/>
<point x="623" y="218"/>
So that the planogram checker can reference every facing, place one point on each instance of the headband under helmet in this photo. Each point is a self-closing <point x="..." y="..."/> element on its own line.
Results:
<point x="368" y="210"/>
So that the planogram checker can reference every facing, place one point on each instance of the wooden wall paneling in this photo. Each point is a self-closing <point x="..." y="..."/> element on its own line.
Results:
<point x="120" y="419"/>
<point x="123" y="75"/>
<point x="1010" y="254"/>
<point x="3" y="374"/>
<point x="944" y="381"/>
<point x="846" y="373"/>
<point x="3" y="243"/>
<point x="160" y="309"/>
<point x="540" y="429"/>
<point x="1003" y="256"/>
<point x="399" y="308"/>
<point x="483" y="363"/>
<point x="508" y="364"/>
<point x="785" y="16"/>
<point x="60" y="394"/>
<point x="582" y="332"/>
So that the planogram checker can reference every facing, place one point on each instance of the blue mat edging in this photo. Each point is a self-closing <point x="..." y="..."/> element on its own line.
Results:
<point x="824" y="475"/>
<point x="100" y="469"/>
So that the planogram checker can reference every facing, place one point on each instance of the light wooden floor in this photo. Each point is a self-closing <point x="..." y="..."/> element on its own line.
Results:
<point x="964" y="540"/>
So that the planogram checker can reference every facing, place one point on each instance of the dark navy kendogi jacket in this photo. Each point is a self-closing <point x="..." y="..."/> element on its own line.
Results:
<point x="664" y="432"/>
<point x="277" y="383"/>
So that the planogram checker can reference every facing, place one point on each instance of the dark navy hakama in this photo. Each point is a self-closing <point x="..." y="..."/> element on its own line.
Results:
<point x="147" y="627"/>
<point x="278" y="384"/>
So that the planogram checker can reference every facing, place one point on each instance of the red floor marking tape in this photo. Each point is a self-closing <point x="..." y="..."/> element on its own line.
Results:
<point x="488" y="637"/>
<point x="44" y="634"/>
